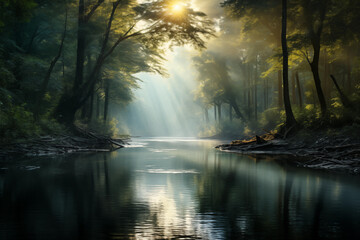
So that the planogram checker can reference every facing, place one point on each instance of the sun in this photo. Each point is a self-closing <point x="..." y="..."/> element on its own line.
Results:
<point x="177" y="8"/>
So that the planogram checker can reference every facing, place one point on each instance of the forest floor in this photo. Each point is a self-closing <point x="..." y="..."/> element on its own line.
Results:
<point x="80" y="140"/>
<point x="327" y="150"/>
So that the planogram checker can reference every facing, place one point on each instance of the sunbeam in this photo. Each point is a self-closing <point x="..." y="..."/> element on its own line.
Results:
<point x="165" y="106"/>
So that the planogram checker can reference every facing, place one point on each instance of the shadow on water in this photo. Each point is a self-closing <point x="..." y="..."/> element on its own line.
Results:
<point x="170" y="190"/>
<point x="69" y="198"/>
<point x="258" y="199"/>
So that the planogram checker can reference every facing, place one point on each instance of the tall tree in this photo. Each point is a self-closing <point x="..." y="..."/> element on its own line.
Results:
<point x="84" y="16"/>
<point x="240" y="8"/>
<point x="290" y="119"/>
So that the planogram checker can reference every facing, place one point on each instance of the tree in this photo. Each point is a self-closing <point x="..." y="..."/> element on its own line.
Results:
<point x="46" y="80"/>
<point x="240" y="8"/>
<point x="162" y="26"/>
<point x="314" y="17"/>
<point x="216" y="85"/>
<point x="290" y="119"/>
<point x="14" y="11"/>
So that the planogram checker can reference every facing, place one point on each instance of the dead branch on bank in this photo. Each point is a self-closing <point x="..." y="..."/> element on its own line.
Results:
<point x="326" y="153"/>
<point x="83" y="141"/>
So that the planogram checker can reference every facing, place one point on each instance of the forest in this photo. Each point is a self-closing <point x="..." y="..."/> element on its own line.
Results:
<point x="65" y="62"/>
<point x="169" y="119"/>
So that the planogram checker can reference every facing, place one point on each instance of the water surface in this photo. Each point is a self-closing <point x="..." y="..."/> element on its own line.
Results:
<point x="165" y="188"/>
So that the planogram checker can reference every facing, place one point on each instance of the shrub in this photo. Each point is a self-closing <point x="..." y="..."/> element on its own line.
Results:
<point x="16" y="122"/>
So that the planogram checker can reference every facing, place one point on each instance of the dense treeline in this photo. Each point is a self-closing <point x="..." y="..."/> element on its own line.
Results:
<point x="272" y="62"/>
<point x="64" y="60"/>
<point x="322" y="42"/>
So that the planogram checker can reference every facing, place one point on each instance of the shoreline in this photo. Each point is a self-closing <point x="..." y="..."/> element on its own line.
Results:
<point x="82" y="142"/>
<point x="330" y="153"/>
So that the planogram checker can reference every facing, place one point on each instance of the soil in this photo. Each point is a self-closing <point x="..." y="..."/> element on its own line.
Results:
<point x="337" y="151"/>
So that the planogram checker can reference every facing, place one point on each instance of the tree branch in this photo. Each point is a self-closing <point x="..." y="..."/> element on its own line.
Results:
<point x="306" y="55"/>
<point x="92" y="10"/>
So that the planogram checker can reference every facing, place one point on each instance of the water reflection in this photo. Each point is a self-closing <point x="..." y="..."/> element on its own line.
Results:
<point x="182" y="190"/>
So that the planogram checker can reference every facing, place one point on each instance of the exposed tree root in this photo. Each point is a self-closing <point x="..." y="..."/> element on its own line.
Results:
<point x="335" y="154"/>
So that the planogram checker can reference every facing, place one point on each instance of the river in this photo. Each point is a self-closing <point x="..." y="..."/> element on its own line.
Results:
<point x="167" y="188"/>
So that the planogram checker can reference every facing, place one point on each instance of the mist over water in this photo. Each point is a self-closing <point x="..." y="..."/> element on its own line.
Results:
<point x="165" y="106"/>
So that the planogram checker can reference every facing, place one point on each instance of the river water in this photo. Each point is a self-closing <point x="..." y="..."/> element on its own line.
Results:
<point x="166" y="188"/>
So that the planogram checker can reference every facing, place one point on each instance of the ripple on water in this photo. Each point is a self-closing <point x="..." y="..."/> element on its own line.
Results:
<point x="156" y="150"/>
<point x="168" y="171"/>
<point x="30" y="168"/>
<point x="136" y="145"/>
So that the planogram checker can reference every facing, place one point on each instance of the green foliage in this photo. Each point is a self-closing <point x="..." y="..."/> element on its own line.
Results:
<point x="270" y="119"/>
<point x="174" y="29"/>
<point x="338" y="117"/>
<point x="110" y="128"/>
<point x="308" y="117"/>
<point x="50" y="126"/>
<point x="16" y="122"/>
<point x="7" y="78"/>
<point x="15" y="10"/>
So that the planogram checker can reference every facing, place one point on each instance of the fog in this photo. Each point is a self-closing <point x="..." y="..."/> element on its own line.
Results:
<point x="165" y="106"/>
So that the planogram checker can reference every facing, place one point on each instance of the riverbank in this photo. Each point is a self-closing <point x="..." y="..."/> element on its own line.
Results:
<point x="80" y="140"/>
<point x="327" y="150"/>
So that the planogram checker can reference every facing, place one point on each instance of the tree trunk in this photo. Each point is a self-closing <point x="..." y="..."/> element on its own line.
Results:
<point x="236" y="109"/>
<point x="63" y="67"/>
<point x="249" y="91"/>
<point x="97" y="106"/>
<point x="91" y="106"/>
<point x="299" y="89"/>
<point x="315" y="37"/>
<point x="319" y="91"/>
<point x="344" y="99"/>
<point x="33" y="36"/>
<point x="314" y="96"/>
<point x="280" y="90"/>
<point x="230" y="113"/>
<point x="84" y="111"/>
<point x="215" y="115"/>
<point x="80" y="52"/>
<point x="326" y="84"/>
<point x="255" y="90"/>
<point x="348" y="71"/>
<point x="265" y="94"/>
<point x="106" y="104"/>
<point x="66" y="109"/>
<point x="290" y="119"/>
<point x="293" y="89"/>
<point x="219" y="111"/>
<point x="46" y="80"/>
<point x="80" y="96"/>
<point x="206" y="115"/>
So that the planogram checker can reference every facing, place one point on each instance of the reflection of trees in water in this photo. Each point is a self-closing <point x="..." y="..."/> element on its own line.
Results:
<point x="77" y="198"/>
<point x="283" y="205"/>
<point x="236" y="198"/>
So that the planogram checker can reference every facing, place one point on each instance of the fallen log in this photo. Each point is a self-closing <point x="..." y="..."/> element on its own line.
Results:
<point x="341" y="147"/>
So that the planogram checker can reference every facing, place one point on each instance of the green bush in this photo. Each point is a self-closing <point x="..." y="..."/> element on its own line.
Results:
<point x="271" y="118"/>
<point x="110" y="128"/>
<point x="16" y="123"/>
<point x="51" y="126"/>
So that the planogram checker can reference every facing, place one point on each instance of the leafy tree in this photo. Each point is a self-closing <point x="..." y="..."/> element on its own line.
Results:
<point x="160" y="26"/>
